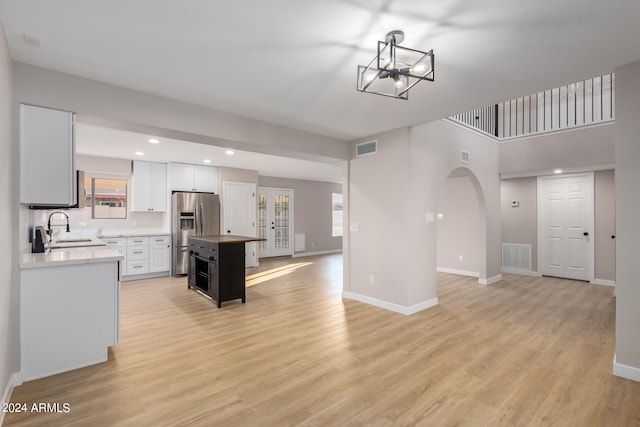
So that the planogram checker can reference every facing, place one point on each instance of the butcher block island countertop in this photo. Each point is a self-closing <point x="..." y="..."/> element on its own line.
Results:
<point x="222" y="239"/>
<point x="217" y="266"/>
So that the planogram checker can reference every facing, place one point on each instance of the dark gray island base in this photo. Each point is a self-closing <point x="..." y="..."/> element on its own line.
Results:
<point x="217" y="267"/>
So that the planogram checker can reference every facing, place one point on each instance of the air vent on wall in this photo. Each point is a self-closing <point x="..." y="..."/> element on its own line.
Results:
<point x="366" y="148"/>
<point x="464" y="157"/>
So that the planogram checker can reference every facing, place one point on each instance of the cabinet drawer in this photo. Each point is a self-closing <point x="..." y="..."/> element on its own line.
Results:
<point x="137" y="253"/>
<point x="115" y="242"/>
<point x="137" y="241"/>
<point x="137" y="267"/>
<point x="159" y="240"/>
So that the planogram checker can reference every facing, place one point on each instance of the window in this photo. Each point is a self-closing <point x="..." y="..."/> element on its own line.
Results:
<point x="107" y="197"/>
<point x="336" y="208"/>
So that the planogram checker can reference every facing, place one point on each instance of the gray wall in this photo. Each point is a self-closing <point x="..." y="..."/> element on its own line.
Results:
<point x="627" y="215"/>
<point x="519" y="225"/>
<point x="571" y="150"/>
<point x="459" y="232"/>
<point x="605" y="225"/>
<point x="9" y="282"/>
<point x="312" y="211"/>
<point x="113" y="106"/>
<point x="392" y="193"/>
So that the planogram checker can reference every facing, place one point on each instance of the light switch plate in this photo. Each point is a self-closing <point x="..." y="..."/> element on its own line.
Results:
<point x="429" y="217"/>
<point x="353" y="226"/>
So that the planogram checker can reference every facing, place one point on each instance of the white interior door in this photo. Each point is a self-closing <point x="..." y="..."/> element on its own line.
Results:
<point x="275" y="222"/>
<point x="566" y="226"/>
<point x="239" y="207"/>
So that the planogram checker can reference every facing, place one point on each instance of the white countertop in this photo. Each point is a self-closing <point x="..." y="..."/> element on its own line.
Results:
<point x="105" y="233"/>
<point x="71" y="256"/>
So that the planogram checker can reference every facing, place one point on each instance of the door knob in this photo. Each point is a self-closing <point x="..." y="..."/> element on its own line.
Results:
<point x="585" y="233"/>
<point x="613" y="237"/>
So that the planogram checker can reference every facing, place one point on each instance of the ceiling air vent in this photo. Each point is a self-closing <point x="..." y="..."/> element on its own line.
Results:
<point x="366" y="148"/>
<point x="464" y="157"/>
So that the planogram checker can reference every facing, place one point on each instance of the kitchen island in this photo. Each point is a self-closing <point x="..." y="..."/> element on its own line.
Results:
<point x="69" y="309"/>
<point x="217" y="266"/>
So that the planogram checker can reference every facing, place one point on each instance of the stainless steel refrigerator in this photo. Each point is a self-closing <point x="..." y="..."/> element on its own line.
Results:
<point x="192" y="214"/>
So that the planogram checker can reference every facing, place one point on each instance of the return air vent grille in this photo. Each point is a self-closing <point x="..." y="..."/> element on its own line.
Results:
<point x="516" y="256"/>
<point x="366" y="148"/>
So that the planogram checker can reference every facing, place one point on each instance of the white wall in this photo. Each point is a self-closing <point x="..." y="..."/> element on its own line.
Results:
<point x="9" y="286"/>
<point x="627" y="178"/>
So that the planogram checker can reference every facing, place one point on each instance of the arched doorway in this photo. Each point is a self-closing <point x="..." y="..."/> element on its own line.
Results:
<point x="461" y="230"/>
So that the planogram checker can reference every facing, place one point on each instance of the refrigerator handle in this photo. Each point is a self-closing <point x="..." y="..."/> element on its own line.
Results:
<point x="201" y="218"/>
<point x="197" y="220"/>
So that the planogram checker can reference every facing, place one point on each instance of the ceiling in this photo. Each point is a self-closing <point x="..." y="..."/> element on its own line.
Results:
<point x="120" y="144"/>
<point x="293" y="62"/>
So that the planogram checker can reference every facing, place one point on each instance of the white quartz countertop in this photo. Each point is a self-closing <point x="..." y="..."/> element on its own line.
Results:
<point x="129" y="232"/>
<point x="69" y="256"/>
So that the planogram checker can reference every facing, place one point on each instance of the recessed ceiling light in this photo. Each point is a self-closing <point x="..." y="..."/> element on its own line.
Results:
<point x="139" y="153"/>
<point x="229" y="152"/>
<point x="557" y="171"/>
<point x="154" y="140"/>
<point x="207" y="161"/>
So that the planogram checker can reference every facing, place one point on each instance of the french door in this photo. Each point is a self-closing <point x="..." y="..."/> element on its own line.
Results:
<point x="566" y="226"/>
<point x="275" y="222"/>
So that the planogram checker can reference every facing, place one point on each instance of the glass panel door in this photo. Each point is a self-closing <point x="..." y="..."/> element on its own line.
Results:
<point x="275" y="222"/>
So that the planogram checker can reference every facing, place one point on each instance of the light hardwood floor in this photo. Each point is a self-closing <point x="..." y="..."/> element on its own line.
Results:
<point x="523" y="352"/>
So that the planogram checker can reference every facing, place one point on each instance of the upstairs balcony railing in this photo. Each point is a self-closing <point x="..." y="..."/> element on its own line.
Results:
<point x="577" y="104"/>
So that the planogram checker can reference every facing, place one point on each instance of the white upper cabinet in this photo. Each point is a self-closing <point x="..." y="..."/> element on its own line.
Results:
<point x="149" y="187"/>
<point x="186" y="177"/>
<point x="47" y="157"/>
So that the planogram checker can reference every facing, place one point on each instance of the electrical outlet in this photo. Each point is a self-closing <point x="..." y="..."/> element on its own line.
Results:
<point x="461" y="258"/>
<point x="372" y="279"/>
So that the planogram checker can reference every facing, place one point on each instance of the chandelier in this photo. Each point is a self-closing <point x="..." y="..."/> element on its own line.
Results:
<point x="395" y="69"/>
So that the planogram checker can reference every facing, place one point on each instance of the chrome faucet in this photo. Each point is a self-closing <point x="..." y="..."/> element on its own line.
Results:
<point x="49" y="232"/>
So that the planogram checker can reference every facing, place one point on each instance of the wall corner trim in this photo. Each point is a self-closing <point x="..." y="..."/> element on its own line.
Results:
<point x="521" y="272"/>
<point x="14" y="381"/>
<point x="406" y="310"/>
<point x="624" y="371"/>
<point x="603" y="282"/>
<point x="490" y="280"/>
<point x="458" y="272"/>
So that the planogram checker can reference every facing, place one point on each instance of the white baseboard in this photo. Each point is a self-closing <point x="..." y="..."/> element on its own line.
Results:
<point x="624" y="371"/>
<point x="303" y="254"/>
<point x="14" y="381"/>
<point x="522" y="272"/>
<point x="490" y="280"/>
<point x="458" y="272"/>
<point x="603" y="282"/>
<point x="391" y="306"/>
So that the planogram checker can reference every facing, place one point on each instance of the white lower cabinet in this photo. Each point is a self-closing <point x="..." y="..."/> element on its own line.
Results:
<point x="69" y="316"/>
<point x="143" y="255"/>
<point x="159" y="253"/>
<point x="120" y="244"/>
<point x="137" y="255"/>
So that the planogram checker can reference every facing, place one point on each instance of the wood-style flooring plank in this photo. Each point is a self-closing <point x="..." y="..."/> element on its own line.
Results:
<point x="526" y="351"/>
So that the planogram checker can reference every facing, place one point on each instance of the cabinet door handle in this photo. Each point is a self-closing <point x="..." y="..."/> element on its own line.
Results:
<point x="137" y="252"/>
